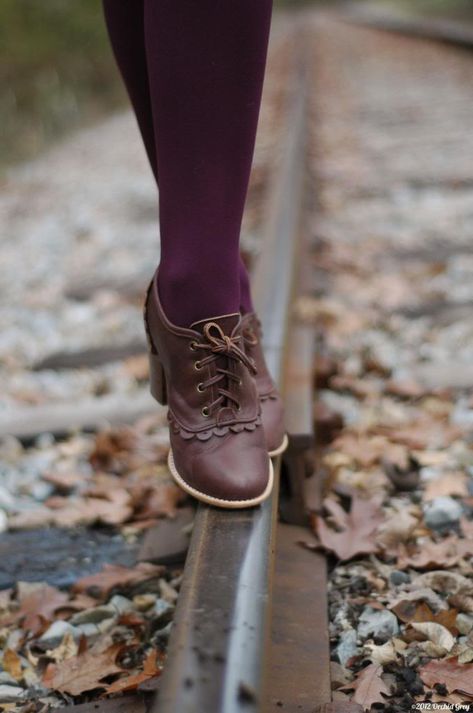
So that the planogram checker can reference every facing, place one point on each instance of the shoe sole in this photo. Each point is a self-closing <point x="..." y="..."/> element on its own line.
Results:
<point x="280" y="449"/>
<point x="220" y="502"/>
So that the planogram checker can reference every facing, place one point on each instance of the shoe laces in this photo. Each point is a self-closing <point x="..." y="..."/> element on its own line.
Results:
<point x="219" y="344"/>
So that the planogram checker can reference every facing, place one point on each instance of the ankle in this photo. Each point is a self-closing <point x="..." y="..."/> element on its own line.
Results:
<point x="189" y="296"/>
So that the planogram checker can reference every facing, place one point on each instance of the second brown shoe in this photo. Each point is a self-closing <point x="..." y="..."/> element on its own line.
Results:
<point x="272" y="410"/>
<point x="218" y="447"/>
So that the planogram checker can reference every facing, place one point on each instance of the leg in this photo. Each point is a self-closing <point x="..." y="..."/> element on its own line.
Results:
<point x="206" y="65"/>
<point x="125" y="24"/>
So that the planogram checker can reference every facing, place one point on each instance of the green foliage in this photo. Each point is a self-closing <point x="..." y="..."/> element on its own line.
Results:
<point x="56" y="71"/>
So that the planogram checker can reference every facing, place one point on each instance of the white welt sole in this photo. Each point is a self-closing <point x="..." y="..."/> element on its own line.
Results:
<point x="220" y="502"/>
<point x="281" y="448"/>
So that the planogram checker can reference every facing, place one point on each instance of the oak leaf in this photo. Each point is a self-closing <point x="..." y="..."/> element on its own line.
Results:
<point x="151" y="669"/>
<point x="369" y="687"/>
<point x="38" y="604"/>
<point x="455" y="676"/>
<point x="357" y="528"/>
<point x="116" y="577"/>
<point x="83" y="673"/>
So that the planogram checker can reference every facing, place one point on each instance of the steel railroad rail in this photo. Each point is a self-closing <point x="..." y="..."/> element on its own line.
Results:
<point x="218" y="655"/>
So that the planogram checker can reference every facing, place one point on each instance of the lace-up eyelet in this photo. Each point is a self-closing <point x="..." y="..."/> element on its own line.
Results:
<point x="240" y="382"/>
<point x="193" y="346"/>
<point x="205" y="411"/>
<point x="200" y="387"/>
<point x="197" y="365"/>
<point x="238" y="408"/>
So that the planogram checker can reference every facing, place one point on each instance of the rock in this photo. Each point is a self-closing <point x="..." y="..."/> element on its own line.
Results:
<point x="55" y="633"/>
<point x="95" y="615"/>
<point x="3" y="521"/>
<point x="442" y="511"/>
<point x="120" y="604"/>
<point x="142" y="602"/>
<point x="11" y="694"/>
<point x="339" y="676"/>
<point x="347" y="647"/>
<point x="161" y="637"/>
<point x="7" y="680"/>
<point x="397" y="577"/>
<point x="377" y="623"/>
<point x="464" y="623"/>
<point x="162" y="612"/>
<point x="167" y="592"/>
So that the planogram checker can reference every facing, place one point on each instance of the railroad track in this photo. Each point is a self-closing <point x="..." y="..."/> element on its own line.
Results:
<point x="250" y="628"/>
<point x="250" y="602"/>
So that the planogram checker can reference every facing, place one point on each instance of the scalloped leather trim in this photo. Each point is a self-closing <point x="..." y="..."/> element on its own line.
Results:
<point x="188" y="435"/>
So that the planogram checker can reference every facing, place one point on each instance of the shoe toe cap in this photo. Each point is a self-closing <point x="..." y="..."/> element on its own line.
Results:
<point x="232" y="468"/>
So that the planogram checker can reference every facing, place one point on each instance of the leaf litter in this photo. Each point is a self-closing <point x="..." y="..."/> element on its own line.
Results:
<point x="394" y="412"/>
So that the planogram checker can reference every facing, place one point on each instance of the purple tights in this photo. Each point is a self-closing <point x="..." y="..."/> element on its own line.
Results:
<point x="194" y="72"/>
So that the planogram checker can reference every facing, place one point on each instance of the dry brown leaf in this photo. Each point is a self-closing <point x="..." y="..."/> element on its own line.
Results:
<point x="11" y="663"/>
<point x="405" y="389"/>
<point x="64" y="482"/>
<point x="467" y="527"/>
<point x="369" y="687"/>
<point x="84" y="672"/>
<point x="431" y="555"/>
<point x="161" y="501"/>
<point x="436" y="633"/>
<point x="367" y="450"/>
<point x="397" y="528"/>
<point x="448" y="484"/>
<point x="116" y="577"/>
<point x="358" y="527"/>
<point x="423" y="434"/>
<point x="455" y="676"/>
<point x="38" y="604"/>
<point x="151" y="669"/>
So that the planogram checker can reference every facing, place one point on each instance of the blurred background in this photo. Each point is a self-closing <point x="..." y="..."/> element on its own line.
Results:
<point x="58" y="73"/>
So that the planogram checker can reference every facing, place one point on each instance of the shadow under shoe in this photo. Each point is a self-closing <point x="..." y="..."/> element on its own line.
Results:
<point x="218" y="447"/>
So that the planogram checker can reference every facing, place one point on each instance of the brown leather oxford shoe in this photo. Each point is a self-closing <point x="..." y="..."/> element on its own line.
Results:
<point x="218" y="447"/>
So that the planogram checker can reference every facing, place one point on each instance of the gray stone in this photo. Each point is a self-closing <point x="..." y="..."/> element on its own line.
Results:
<point x="56" y="632"/>
<point x="377" y="622"/>
<point x="120" y="604"/>
<point x="95" y="615"/>
<point x="442" y="511"/>
<point x="11" y="694"/>
<point x="347" y="647"/>
<point x="464" y="623"/>
<point x="397" y="577"/>
<point x="7" y="680"/>
<point x="162" y="612"/>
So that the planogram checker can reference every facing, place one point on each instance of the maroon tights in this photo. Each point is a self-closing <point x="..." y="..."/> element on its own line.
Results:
<point x="194" y="72"/>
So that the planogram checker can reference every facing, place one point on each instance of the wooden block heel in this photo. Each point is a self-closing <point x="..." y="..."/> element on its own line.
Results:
<point x="157" y="379"/>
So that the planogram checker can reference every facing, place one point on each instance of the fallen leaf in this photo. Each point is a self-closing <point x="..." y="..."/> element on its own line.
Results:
<point x="386" y="653"/>
<point x="116" y="578"/>
<point x="455" y="676"/>
<point x="64" y="482"/>
<point x="358" y="528"/>
<point x="11" y="663"/>
<point x="436" y="633"/>
<point x="442" y="581"/>
<point x="66" y="649"/>
<point x="151" y="669"/>
<point x="38" y="604"/>
<point x="447" y="485"/>
<point x="369" y="687"/>
<point x="431" y="555"/>
<point x="83" y="673"/>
